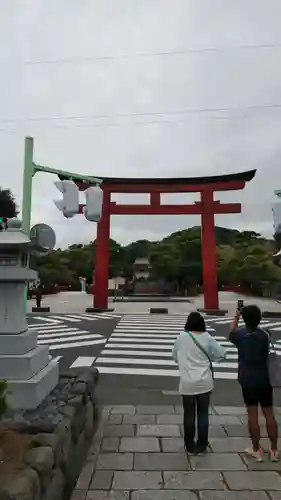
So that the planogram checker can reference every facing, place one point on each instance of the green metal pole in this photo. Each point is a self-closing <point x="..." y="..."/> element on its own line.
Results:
<point x="28" y="172"/>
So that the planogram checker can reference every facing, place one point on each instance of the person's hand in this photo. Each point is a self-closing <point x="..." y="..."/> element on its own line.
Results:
<point x="238" y="314"/>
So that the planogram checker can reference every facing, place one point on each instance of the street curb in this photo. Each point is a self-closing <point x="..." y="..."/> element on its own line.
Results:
<point x="98" y="309"/>
<point x="41" y="309"/>
<point x="273" y="314"/>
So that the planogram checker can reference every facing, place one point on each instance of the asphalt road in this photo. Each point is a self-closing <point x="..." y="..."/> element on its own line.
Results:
<point x="133" y="354"/>
<point x="73" y="337"/>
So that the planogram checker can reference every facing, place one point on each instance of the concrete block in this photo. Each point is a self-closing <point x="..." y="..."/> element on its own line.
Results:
<point x="115" y="461"/>
<point x="105" y="495"/>
<point x="229" y="444"/>
<point x="28" y="394"/>
<point x="139" y="419"/>
<point x="18" y="344"/>
<point x="123" y="410"/>
<point x="218" y="461"/>
<point x="98" y="310"/>
<point x="253" y="481"/>
<point x="137" y="480"/>
<point x="23" y="366"/>
<point x="139" y="444"/>
<point x="119" y="430"/>
<point x="164" y="495"/>
<point x="155" y="410"/>
<point x="161" y="461"/>
<point x="110" y="444"/>
<point x="233" y="495"/>
<point x="45" y="309"/>
<point x="271" y="314"/>
<point x="169" y="419"/>
<point x="102" y="480"/>
<point x="159" y="430"/>
<point x="172" y="445"/>
<point x="189" y="480"/>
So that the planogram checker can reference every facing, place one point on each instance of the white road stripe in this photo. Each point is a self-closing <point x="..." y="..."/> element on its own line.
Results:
<point x="47" y="327"/>
<point x="110" y="315"/>
<point x="269" y="324"/>
<point x="139" y="346"/>
<point x="71" y="331"/>
<point x="160" y="328"/>
<point x="116" y="352"/>
<point x="156" y="373"/>
<point x="77" y="337"/>
<point x="76" y="344"/>
<point x="48" y="320"/>
<point x="145" y="335"/>
<point x="65" y="318"/>
<point x="73" y="317"/>
<point x="49" y="333"/>
<point x="153" y="330"/>
<point x="166" y="362"/>
<point x="83" y="361"/>
<point x="153" y="341"/>
<point x="148" y="321"/>
<point x="138" y="361"/>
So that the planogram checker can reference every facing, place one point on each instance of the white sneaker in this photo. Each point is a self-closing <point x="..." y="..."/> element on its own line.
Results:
<point x="257" y="455"/>
<point x="274" y="455"/>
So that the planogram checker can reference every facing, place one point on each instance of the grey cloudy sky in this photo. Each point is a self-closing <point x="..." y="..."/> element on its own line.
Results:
<point x="142" y="88"/>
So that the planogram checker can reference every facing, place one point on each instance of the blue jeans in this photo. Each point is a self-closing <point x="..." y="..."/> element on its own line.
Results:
<point x="192" y="406"/>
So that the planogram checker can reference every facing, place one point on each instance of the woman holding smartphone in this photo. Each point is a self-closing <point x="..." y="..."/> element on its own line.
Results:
<point x="253" y="346"/>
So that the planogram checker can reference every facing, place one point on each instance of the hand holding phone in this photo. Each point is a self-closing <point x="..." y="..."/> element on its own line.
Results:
<point x="240" y="305"/>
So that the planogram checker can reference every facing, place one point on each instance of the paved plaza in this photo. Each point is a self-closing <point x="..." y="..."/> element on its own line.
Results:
<point x="137" y="454"/>
<point x="77" y="302"/>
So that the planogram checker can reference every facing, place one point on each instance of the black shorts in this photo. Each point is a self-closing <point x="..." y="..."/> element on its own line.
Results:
<point x="253" y="396"/>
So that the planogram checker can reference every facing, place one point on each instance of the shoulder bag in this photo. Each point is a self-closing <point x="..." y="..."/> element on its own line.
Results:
<point x="204" y="352"/>
<point x="274" y="363"/>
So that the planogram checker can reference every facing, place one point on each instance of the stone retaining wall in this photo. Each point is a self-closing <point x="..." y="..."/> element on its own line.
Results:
<point x="61" y="430"/>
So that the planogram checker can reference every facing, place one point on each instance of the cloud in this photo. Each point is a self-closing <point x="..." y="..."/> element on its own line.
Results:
<point x="190" y="89"/>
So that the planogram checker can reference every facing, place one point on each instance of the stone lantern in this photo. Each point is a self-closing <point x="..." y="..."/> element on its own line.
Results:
<point x="27" y="367"/>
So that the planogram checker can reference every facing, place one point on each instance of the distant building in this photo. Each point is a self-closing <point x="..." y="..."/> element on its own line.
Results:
<point x="142" y="269"/>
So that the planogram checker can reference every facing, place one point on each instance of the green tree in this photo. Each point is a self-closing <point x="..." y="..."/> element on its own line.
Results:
<point x="8" y="206"/>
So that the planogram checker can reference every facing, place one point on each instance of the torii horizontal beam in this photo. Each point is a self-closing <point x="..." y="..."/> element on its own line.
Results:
<point x="166" y="188"/>
<point x="196" y="209"/>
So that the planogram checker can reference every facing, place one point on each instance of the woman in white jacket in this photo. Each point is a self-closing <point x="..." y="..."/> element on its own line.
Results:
<point x="194" y="350"/>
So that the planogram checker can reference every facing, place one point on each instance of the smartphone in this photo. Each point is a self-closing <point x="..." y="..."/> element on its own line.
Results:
<point x="240" y="305"/>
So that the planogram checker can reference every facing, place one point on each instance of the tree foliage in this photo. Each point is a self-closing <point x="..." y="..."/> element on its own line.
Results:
<point x="8" y="206"/>
<point x="243" y="258"/>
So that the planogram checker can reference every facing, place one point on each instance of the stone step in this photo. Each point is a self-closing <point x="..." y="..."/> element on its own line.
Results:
<point x="19" y="343"/>
<point x="23" y="366"/>
<point x="28" y="394"/>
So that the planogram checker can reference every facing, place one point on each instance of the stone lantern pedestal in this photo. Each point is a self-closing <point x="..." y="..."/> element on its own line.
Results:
<point x="27" y="367"/>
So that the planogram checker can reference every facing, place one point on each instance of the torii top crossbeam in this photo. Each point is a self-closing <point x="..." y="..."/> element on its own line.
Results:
<point x="171" y="184"/>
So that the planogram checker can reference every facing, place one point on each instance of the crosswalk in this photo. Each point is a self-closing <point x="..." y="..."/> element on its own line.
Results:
<point x="62" y="336"/>
<point x="142" y="345"/>
<point x="76" y="318"/>
<point x="274" y="325"/>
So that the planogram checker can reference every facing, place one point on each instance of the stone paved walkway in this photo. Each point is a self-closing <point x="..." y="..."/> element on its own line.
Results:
<point x="137" y="454"/>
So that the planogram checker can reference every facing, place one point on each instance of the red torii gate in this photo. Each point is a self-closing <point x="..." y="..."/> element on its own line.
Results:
<point x="207" y="208"/>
